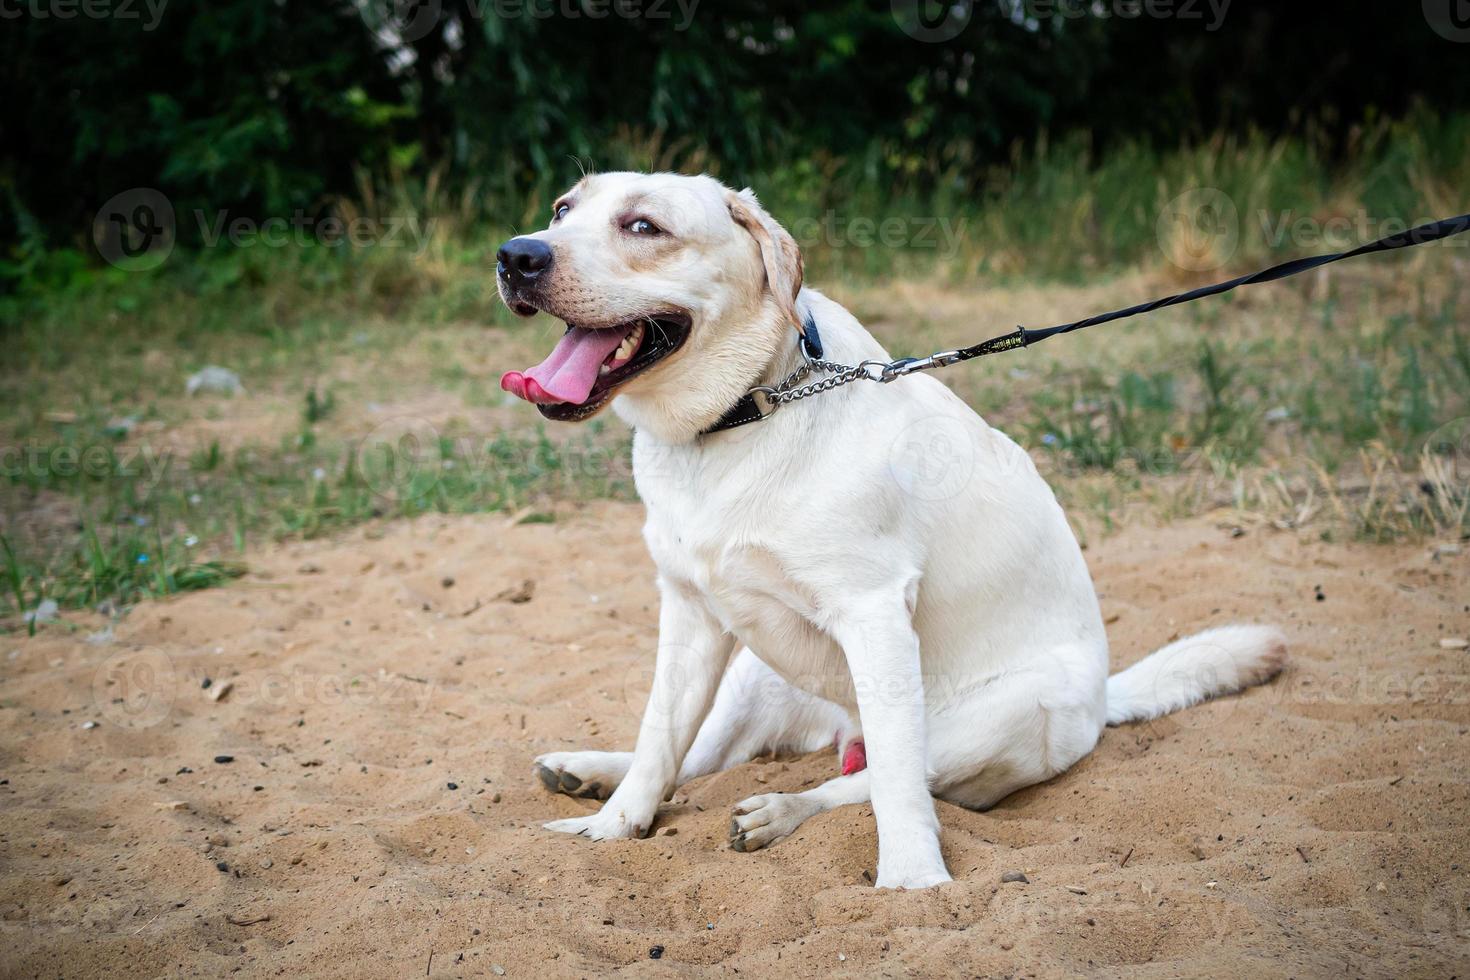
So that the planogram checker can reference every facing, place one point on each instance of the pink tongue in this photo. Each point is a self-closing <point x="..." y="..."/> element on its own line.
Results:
<point x="570" y="372"/>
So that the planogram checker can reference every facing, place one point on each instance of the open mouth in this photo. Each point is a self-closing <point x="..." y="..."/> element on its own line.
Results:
<point x="589" y="364"/>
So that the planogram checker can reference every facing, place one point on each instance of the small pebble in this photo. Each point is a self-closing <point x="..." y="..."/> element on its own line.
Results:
<point x="656" y="952"/>
<point x="447" y="581"/>
<point x="266" y="863"/>
<point x="1454" y="643"/>
<point x="222" y="865"/>
<point x="453" y="785"/>
<point x="497" y="969"/>
<point x="1076" y="890"/>
<point x="205" y="683"/>
<point x="1010" y="876"/>
<point x="89" y="724"/>
<point x="223" y="759"/>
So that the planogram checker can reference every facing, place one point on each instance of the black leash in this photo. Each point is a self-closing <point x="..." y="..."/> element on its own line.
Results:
<point x="748" y="408"/>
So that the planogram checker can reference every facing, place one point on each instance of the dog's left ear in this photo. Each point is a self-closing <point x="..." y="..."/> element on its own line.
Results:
<point x="779" y="252"/>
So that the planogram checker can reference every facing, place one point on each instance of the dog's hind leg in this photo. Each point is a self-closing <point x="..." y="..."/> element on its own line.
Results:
<point x="755" y="712"/>
<point x="1017" y="730"/>
<point x="1013" y="731"/>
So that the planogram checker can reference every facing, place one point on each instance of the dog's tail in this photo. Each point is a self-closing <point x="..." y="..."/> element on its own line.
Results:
<point x="1187" y="671"/>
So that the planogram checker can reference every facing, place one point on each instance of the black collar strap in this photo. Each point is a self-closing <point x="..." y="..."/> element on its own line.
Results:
<point x="747" y="410"/>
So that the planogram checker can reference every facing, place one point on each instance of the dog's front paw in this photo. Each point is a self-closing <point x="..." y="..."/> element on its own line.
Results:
<point x="601" y="825"/>
<point x="765" y="820"/>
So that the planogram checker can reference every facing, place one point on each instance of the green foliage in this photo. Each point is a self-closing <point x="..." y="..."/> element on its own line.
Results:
<point x="261" y="110"/>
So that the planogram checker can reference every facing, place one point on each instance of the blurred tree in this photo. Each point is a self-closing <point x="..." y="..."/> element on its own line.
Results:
<point x="262" y="108"/>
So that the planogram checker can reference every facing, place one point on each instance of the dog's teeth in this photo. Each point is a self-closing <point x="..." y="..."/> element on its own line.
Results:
<point x="630" y="344"/>
<point x="604" y="369"/>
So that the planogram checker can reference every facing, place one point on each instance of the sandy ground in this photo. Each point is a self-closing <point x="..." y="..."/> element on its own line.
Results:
<point x="388" y="691"/>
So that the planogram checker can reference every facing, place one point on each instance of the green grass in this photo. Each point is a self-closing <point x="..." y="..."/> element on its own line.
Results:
<point x="1321" y="401"/>
<point x="146" y="519"/>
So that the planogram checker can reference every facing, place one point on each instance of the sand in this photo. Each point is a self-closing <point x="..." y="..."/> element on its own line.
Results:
<point x="389" y="689"/>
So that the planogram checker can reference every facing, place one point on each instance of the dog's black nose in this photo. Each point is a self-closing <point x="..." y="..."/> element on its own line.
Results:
<point x="520" y="260"/>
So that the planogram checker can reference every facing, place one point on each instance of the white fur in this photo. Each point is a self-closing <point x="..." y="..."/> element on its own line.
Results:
<point x="877" y="563"/>
<point x="1187" y="671"/>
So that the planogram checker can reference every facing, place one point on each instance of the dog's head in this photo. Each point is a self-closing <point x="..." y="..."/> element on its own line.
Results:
<point x="676" y="292"/>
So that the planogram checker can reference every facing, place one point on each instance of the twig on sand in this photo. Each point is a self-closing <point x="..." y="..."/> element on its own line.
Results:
<point x="1124" y="863"/>
<point x="150" y="921"/>
<point x="248" y="920"/>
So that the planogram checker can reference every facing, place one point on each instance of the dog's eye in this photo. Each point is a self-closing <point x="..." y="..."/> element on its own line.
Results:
<point x="642" y="226"/>
<point x="560" y="211"/>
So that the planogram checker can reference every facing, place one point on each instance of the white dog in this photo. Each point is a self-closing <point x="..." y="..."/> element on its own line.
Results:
<point x="873" y="567"/>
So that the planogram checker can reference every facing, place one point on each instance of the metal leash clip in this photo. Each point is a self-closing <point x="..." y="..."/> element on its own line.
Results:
<point x="909" y="365"/>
